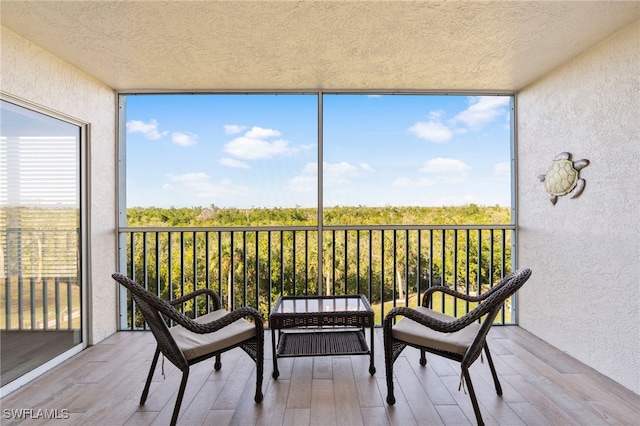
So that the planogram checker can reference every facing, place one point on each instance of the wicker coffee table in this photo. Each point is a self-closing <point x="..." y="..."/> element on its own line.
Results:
<point x="321" y="325"/>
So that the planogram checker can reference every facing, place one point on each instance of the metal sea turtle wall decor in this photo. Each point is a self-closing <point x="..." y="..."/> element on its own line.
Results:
<point x="563" y="177"/>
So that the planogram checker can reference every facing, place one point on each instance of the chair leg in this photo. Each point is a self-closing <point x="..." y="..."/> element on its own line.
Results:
<point x="388" y="365"/>
<point x="472" y="396"/>
<point x="183" y="385"/>
<point x="218" y="364"/>
<point x="145" y="392"/>
<point x="493" y="370"/>
<point x="259" y="371"/>
<point x="423" y="357"/>
<point x="276" y="372"/>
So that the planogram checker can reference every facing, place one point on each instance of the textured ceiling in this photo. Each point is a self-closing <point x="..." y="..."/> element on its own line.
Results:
<point x="316" y="45"/>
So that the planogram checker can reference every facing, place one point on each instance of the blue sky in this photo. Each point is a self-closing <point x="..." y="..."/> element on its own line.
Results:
<point x="261" y="150"/>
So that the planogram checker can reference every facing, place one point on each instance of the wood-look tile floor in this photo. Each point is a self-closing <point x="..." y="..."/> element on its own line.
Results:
<point x="542" y="386"/>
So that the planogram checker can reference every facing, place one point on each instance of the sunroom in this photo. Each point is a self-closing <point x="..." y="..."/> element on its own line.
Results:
<point x="570" y="72"/>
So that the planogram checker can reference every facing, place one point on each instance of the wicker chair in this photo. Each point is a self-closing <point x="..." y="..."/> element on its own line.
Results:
<point x="192" y="341"/>
<point x="460" y="339"/>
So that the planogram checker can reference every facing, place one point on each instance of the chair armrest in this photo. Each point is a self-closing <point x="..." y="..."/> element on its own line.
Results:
<point x="426" y="320"/>
<point x="426" y="298"/>
<point x="217" y="304"/>
<point x="210" y="327"/>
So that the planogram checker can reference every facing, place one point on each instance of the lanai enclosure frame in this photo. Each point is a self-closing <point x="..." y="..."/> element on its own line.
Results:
<point x="573" y="68"/>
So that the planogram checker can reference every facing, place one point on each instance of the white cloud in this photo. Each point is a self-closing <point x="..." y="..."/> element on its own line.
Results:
<point x="303" y="183"/>
<point x="306" y="181"/>
<point x="333" y="174"/>
<point x="260" y="133"/>
<point x="256" y="149"/>
<point x="341" y="173"/>
<point x="433" y="130"/>
<point x="258" y="144"/>
<point x="149" y="130"/>
<point x="366" y="167"/>
<point x="230" y="162"/>
<point x="310" y="168"/>
<point x="444" y="166"/>
<point x="436" y="115"/>
<point x="232" y="129"/>
<point x="447" y="170"/>
<point x="184" y="138"/>
<point x="482" y="110"/>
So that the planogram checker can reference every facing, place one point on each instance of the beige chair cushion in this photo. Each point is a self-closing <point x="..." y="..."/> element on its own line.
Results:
<point x="194" y="345"/>
<point x="417" y="334"/>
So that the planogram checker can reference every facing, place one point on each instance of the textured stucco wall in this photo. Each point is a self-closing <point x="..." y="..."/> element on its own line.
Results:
<point x="30" y="73"/>
<point x="584" y="295"/>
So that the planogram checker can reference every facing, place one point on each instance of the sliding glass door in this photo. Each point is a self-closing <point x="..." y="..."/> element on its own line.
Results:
<point x="40" y="239"/>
